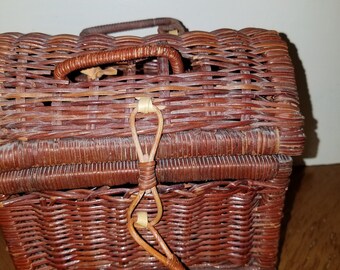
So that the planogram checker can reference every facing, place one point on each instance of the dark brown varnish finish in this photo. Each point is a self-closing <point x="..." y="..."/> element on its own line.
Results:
<point x="68" y="166"/>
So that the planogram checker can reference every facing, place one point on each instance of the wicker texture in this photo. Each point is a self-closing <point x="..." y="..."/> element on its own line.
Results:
<point x="69" y="165"/>
<point x="235" y="80"/>
<point x="232" y="223"/>
<point x="165" y="25"/>
<point x="84" y="151"/>
<point x="120" y="173"/>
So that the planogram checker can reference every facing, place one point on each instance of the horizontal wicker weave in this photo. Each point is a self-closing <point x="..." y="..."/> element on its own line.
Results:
<point x="70" y="165"/>
<point x="218" y="223"/>
<point x="239" y="80"/>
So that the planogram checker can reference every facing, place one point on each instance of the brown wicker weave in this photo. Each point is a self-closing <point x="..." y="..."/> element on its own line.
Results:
<point x="69" y="164"/>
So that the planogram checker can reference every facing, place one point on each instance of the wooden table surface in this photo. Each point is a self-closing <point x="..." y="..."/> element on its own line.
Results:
<point x="311" y="228"/>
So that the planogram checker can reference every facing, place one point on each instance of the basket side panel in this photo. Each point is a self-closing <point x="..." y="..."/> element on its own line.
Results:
<point x="230" y="223"/>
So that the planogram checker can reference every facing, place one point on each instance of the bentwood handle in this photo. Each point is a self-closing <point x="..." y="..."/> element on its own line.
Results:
<point x="119" y="55"/>
<point x="164" y="25"/>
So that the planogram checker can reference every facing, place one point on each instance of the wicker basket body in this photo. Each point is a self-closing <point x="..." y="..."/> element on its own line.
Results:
<point x="69" y="166"/>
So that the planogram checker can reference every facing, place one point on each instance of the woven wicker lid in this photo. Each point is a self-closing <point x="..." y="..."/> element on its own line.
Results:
<point x="237" y="95"/>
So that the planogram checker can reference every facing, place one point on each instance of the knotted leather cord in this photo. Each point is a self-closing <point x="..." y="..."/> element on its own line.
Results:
<point x="147" y="182"/>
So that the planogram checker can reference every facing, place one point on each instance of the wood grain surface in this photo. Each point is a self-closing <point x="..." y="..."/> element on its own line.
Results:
<point x="311" y="228"/>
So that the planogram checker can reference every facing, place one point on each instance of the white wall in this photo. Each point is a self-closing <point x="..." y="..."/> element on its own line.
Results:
<point x="310" y="25"/>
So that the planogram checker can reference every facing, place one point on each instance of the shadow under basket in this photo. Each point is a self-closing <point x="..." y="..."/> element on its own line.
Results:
<point x="166" y="151"/>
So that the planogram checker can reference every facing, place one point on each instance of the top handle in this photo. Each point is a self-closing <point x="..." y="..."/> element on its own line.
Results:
<point x="164" y="26"/>
<point x="119" y="55"/>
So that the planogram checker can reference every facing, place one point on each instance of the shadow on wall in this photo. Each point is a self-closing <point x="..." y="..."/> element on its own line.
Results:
<point x="311" y="142"/>
<point x="310" y="123"/>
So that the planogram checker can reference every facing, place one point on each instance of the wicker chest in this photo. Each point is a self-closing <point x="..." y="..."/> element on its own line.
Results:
<point x="166" y="151"/>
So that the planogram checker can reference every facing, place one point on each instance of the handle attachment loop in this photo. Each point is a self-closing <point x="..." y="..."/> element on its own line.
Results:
<point x="147" y="182"/>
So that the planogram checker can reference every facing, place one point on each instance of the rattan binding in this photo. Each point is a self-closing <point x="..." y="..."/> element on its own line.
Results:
<point x="69" y="167"/>
<point x="229" y="223"/>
